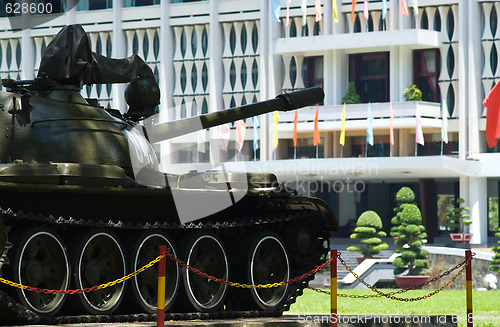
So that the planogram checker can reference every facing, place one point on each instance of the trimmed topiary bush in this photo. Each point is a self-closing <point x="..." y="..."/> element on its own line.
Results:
<point x="495" y="264"/>
<point x="351" y="96"/>
<point x="404" y="196"/>
<point x="368" y="232"/>
<point x="411" y="235"/>
<point x="456" y="222"/>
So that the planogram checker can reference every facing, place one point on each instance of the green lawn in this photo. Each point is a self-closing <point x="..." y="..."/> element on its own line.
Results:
<point x="486" y="305"/>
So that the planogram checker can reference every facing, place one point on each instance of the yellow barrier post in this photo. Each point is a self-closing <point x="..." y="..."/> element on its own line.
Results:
<point x="468" y="285"/>
<point x="333" y="288"/>
<point x="160" y="317"/>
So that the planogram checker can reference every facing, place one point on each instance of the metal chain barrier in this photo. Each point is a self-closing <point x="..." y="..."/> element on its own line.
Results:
<point x="83" y="290"/>
<point x="240" y="285"/>
<point x="168" y="254"/>
<point x="390" y="295"/>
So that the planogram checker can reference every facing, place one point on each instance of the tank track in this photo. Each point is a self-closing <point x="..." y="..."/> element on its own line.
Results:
<point x="12" y="312"/>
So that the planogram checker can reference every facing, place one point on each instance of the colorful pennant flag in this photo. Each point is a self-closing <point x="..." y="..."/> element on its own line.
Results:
<point x="342" y="130"/>
<point x="317" y="6"/>
<point x="224" y="134"/>
<point x="492" y="104"/>
<point x="202" y="140"/>
<point x="415" y="7"/>
<point x="255" y="133"/>
<point x="444" y="122"/>
<point x="303" y="6"/>
<point x="365" y="9"/>
<point x="316" y="138"/>
<point x="369" y="126"/>
<point x="276" y="8"/>
<point x="403" y="7"/>
<point x="240" y="134"/>
<point x="287" y="22"/>
<point x="419" y="135"/>
<point x="295" y="121"/>
<point x="391" y="123"/>
<point x="384" y="8"/>
<point x="276" y="120"/>
<point x="352" y="10"/>
<point x="335" y="11"/>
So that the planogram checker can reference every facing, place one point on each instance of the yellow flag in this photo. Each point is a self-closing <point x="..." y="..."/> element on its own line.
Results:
<point x="342" y="131"/>
<point x="335" y="11"/>
<point x="276" y="119"/>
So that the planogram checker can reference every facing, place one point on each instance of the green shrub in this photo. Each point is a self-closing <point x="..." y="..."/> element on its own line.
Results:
<point x="404" y="197"/>
<point x="351" y="96"/>
<point x="456" y="221"/>
<point x="412" y="93"/>
<point x="367" y="231"/>
<point x="411" y="235"/>
<point x="495" y="264"/>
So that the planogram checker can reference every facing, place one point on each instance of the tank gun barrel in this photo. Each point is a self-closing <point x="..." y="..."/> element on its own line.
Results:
<point x="283" y="102"/>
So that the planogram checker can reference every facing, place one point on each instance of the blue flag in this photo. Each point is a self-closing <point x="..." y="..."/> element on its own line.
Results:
<point x="255" y="133"/>
<point x="276" y="8"/>
<point x="384" y="8"/>
<point x="369" y="127"/>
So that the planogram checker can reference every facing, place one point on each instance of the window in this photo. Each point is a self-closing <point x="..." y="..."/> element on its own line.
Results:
<point x="370" y="74"/>
<point x="313" y="71"/>
<point x="426" y="65"/>
<point x="94" y="4"/>
<point x="139" y="3"/>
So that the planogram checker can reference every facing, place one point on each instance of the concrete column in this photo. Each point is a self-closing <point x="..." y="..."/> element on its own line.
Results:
<point x="405" y="72"/>
<point x="339" y="65"/>
<point x="275" y="71"/>
<point x="70" y="14"/>
<point x="119" y="51"/>
<point x="328" y="77"/>
<point x="266" y="121"/>
<point x="394" y="15"/>
<point x="28" y="52"/>
<point x="328" y="17"/>
<point x="215" y="47"/>
<point x="166" y="79"/>
<point x="473" y="80"/>
<point x="461" y="65"/>
<point x="395" y="93"/>
<point x="406" y="143"/>
<point x="478" y="204"/>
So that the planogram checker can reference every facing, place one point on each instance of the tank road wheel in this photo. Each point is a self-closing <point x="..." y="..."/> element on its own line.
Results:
<point x="267" y="263"/>
<point x="145" y="285"/>
<point x="205" y="253"/>
<point x="41" y="261"/>
<point x="100" y="260"/>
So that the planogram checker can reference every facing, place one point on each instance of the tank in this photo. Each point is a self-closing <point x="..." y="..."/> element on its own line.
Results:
<point x="83" y="203"/>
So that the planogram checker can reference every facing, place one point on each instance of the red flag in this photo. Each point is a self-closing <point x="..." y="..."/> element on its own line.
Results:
<point x="316" y="138"/>
<point x="295" y="128"/>
<point x="391" y="131"/>
<point x="492" y="104"/>
<point x="352" y="10"/>
<point x="403" y="7"/>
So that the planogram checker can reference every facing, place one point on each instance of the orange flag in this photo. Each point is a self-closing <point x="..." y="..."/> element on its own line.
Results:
<point x="403" y="7"/>
<point x="316" y="138"/>
<point x="352" y="10"/>
<point x="492" y="104"/>
<point x="295" y="128"/>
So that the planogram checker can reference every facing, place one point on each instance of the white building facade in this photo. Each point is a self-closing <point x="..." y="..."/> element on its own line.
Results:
<point x="216" y="54"/>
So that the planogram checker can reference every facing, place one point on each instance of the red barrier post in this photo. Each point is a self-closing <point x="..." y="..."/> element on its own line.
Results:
<point x="333" y="288"/>
<point x="160" y="317"/>
<point x="468" y="285"/>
